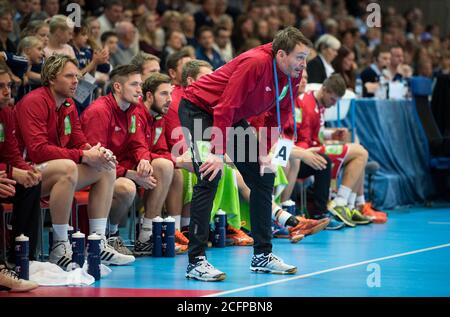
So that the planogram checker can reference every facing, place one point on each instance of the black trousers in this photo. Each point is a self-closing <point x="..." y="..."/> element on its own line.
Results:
<point x="25" y="217"/>
<point x="322" y="179"/>
<point x="204" y="191"/>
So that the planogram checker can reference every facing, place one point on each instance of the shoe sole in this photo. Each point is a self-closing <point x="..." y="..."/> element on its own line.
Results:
<point x="261" y="270"/>
<point x="342" y="218"/>
<point x="297" y="238"/>
<point x="335" y="228"/>
<point x="361" y="222"/>
<point x="217" y="278"/>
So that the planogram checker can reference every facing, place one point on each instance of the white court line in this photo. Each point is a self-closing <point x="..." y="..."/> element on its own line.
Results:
<point x="326" y="271"/>
<point x="438" y="223"/>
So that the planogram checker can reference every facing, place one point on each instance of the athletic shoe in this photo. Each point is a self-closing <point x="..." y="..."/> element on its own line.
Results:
<point x="359" y="219"/>
<point x="9" y="281"/>
<point x="238" y="237"/>
<point x="334" y="224"/>
<point x="117" y="244"/>
<point x="202" y="270"/>
<point x="375" y="215"/>
<point x="342" y="213"/>
<point x="180" y="238"/>
<point x="269" y="263"/>
<point x="310" y="226"/>
<point x="143" y="248"/>
<point x="110" y="256"/>
<point x="180" y="248"/>
<point x="278" y="231"/>
<point x="295" y="235"/>
<point x="61" y="254"/>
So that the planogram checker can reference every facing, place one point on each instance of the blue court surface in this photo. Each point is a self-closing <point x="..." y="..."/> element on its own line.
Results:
<point x="407" y="256"/>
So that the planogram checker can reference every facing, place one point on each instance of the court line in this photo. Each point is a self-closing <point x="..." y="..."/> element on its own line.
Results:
<point x="327" y="270"/>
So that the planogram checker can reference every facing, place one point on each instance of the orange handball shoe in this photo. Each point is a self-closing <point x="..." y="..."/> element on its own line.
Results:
<point x="180" y="248"/>
<point x="376" y="216"/>
<point x="310" y="226"/>
<point x="181" y="238"/>
<point x="238" y="237"/>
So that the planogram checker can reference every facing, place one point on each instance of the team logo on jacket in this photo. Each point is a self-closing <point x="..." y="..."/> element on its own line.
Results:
<point x="67" y="125"/>
<point x="268" y="89"/>
<point x="158" y="132"/>
<point x="2" y="133"/>
<point x="117" y="129"/>
<point x="133" y="124"/>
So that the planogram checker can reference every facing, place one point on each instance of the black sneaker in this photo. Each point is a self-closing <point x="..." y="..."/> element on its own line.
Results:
<point x="143" y="248"/>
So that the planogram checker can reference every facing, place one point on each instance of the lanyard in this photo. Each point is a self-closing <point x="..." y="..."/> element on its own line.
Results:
<point x="277" y="100"/>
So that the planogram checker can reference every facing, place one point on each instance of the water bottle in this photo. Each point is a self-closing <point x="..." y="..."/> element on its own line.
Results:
<point x="50" y="240"/>
<point x="78" y="248"/>
<point x="70" y="233"/>
<point x="157" y="223"/>
<point x="220" y="231"/>
<point x="168" y="237"/>
<point x="93" y="249"/>
<point x="22" y="260"/>
<point x="359" y="87"/>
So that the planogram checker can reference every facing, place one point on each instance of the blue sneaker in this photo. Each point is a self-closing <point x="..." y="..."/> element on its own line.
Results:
<point x="334" y="223"/>
<point x="279" y="231"/>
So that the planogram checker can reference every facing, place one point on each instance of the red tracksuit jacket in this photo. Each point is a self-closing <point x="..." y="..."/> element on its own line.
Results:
<point x="103" y="121"/>
<point x="47" y="133"/>
<point x="153" y="130"/>
<point x="241" y="89"/>
<point x="312" y="114"/>
<point x="172" y="121"/>
<point x="9" y="148"/>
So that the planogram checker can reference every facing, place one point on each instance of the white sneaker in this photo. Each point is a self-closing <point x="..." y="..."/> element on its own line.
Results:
<point x="109" y="256"/>
<point x="203" y="271"/>
<point x="271" y="264"/>
<point x="61" y="254"/>
<point x="9" y="281"/>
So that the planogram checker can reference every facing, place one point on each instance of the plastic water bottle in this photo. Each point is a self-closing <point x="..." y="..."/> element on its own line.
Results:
<point x="168" y="237"/>
<point x="220" y="231"/>
<point x="78" y="239"/>
<point x="94" y="261"/>
<point x="22" y="257"/>
<point x="359" y="87"/>
<point x="157" y="223"/>
<point x="70" y="232"/>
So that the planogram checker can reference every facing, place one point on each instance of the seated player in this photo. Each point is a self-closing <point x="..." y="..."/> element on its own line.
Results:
<point x="50" y="132"/>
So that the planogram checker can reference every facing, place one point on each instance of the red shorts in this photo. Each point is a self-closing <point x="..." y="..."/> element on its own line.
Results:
<point x="337" y="154"/>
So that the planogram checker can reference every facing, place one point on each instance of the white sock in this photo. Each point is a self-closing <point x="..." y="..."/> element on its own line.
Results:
<point x="360" y="200"/>
<point x="98" y="225"/>
<point x="113" y="228"/>
<point x="177" y="222"/>
<point x="146" y="230"/>
<point x="60" y="232"/>
<point x="280" y="215"/>
<point x="351" y="201"/>
<point x="185" y="221"/>
<point x="342" y="195"/>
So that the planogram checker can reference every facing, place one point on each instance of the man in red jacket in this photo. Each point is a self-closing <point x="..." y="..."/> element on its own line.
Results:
<point x="20" y="183"/>
<point x="50" y="131"/>
<point x="243" y="88"/>
<point x="112" y="121"/>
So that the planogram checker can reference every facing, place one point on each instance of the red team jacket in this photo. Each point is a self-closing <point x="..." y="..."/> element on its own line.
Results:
<point x="172" y="121"/>
<point x="47" y="133"/>
<point x="241" y="89"/>
<point x="153" y="130"/>
<point x="9" y="148"/>
<point x="103" y="121"/>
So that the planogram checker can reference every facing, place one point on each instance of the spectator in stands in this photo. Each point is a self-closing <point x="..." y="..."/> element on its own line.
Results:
<point x="207" y="15"/>
<point x="147" y="64"/>
<point x="111" y="120"/>
<point x="127" y="47"/>
<point x="222" y="44"/>
<point x="71" y="162"/>
<point x="50" y="7"/>
<point x="93" y="27"/>
<point x="32" y="48"/>
<point x="112" y="14"/>
<point x="20" y="183"/>
<point x="370" y="76"/>
<point x="38" y="28"/>
<point x="243" y="30"/>
<point x="151" y="37"/>
<point x="397" y="68"/>
<point x="188" y="28"/>
<point x="205" y="51"/>
<point x="60" y="35"/>
<point x="345" y="65"/>
<point x="6" y="27"/>
<point x="320" y="67"/>
<point x="174" y="43"/>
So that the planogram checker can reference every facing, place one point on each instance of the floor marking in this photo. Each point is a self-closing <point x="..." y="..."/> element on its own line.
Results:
<point x="328" y="270"/>
<point x="438" y="223"/>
